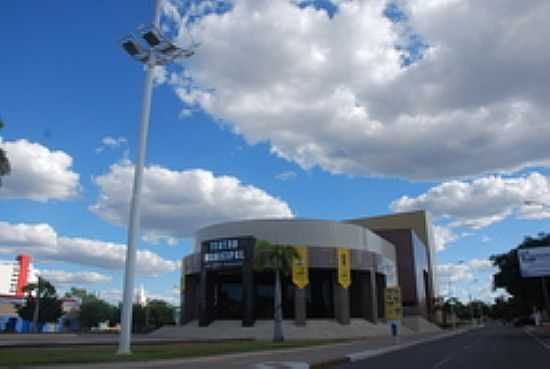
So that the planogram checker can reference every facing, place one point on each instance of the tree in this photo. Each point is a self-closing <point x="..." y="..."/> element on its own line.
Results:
<point x="527" y="292"/>
<point x="5" y="167"/>
<point x="277" y="258"/>
<point x="93" y="310"/>
<point x="41" y="304"/>
<point x="159" y="313"/>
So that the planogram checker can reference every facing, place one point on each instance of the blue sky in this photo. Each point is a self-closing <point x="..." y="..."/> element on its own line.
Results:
<point x="312" y="115"/>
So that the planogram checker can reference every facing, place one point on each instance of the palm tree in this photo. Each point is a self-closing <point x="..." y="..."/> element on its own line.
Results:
<point x="277" y="258"/>
<point x="4" y="163"/>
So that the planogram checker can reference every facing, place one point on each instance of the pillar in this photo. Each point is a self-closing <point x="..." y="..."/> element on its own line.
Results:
<point x="249" y="292"/>
<point x="372" y="304"/>
<point x="300" y="315"/>
<point x="341" y="303"/>
<point x="206" y="298"/>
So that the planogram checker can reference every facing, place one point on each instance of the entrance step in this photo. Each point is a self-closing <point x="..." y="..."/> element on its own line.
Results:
<point x="263" y="330"/>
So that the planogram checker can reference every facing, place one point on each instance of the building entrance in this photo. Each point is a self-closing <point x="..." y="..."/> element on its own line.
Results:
<point x="228" y="296"/>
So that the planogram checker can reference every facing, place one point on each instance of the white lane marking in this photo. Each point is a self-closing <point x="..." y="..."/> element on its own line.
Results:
<point x="544" y="344"/>
<point x="282" y="365"/>
<point x="361" y="355"/>
<point x="439" y="364"/>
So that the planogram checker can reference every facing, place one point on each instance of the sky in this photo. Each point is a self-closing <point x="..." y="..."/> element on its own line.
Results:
<point x="327" y="109"/>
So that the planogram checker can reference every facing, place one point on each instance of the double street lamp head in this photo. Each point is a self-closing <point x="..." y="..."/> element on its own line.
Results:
<point x="161" y="51"/>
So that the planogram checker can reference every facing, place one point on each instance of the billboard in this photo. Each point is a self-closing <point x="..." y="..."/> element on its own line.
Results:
<point x="534" y="262"/>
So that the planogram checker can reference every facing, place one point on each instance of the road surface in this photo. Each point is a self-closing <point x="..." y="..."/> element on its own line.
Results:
<point x="492" y="347"/>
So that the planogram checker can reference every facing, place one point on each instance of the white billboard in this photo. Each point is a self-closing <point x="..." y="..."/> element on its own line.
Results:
<point x="534" y="262"/>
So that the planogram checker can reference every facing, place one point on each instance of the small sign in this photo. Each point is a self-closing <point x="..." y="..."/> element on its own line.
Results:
<point x="344" y="267"/>
<point x="222" y="253"/>
<point x="392" y="303"/>
<point x="300" y="266"/>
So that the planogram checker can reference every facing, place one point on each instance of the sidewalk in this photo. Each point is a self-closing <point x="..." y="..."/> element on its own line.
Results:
<point x="541" y="334"/>
<point x="313" y="357"/>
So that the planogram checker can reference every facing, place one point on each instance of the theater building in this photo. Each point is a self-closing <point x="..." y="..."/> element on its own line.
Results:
<point x="344" y="270"/>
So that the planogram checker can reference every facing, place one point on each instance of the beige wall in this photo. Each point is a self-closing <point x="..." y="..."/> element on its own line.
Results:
<point x="419" y="221"/>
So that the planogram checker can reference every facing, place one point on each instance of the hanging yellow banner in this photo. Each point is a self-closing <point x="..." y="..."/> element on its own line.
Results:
<point x="300" y="273"/>
<point x="392" y="303"/>
<point x="344" y="267"/>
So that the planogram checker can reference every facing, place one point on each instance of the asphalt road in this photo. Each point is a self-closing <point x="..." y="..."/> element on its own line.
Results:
<point x="492" y="347"/>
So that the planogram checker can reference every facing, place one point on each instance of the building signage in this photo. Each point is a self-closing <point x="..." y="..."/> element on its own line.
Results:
<point x="534" y="262"/>
<point x="300" y="266"/>
<point x="222" y="253"/>
<point x="344" y="267"/>
<point x="392" y="303"/>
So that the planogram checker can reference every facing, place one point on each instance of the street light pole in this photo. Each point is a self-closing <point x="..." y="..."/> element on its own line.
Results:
<point x="134" y="221"/>
<point x="160" y="52"/>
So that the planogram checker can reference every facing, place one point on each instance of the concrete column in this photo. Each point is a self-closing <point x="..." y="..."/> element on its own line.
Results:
<point x="364" y="288"/>
<point x="203" y="313"/>
<point x="300" y="314"/>
<point x="189" y="307"/>
<point x="372" y="312"/>
<point x="248" y="296"/>
<point x="206" y="298"/>
<point x="249" y="291"/>
<point x="341" y="303"/>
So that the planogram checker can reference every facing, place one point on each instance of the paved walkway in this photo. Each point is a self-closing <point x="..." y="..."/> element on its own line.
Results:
<point x="302" y="358"/>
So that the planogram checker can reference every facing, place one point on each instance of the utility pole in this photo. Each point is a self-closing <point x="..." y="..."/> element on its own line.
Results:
<point x="545" y="294"/>
<point x="36" y="312"/>
<point x="161" y="52"/>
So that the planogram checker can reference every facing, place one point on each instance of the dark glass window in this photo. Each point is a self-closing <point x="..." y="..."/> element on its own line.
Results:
<point x="320" y="294"/>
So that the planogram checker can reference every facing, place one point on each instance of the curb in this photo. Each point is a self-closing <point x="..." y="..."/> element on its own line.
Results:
<point x="362" y="355"/>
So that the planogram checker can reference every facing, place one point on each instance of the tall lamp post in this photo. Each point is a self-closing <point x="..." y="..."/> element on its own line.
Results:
<point x="160" y="51"/>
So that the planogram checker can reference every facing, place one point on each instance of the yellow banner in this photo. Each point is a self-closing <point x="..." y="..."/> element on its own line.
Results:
<point x="300" y="273"/>
<point x="392" y="303"/>
<point x="344" y="267"/>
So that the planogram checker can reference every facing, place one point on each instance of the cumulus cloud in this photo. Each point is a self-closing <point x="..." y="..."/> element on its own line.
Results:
<point x="43" y="243"/>
<point x="62" y="277"/>
<point x="334" y="92"/>
<point x="463" y="271"/>
<point x="38" y="173"/>
<point x="483" y="201"/>
<point x="443" y="237"/>
<point x="109" y="142"/>
<point x="174" y="204"/>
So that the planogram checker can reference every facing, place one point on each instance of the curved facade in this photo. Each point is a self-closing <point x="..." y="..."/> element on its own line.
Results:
<point x="219" y="281"/>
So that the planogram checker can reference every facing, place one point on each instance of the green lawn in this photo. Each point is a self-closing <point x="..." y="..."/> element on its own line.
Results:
<point x="87" y="354"/>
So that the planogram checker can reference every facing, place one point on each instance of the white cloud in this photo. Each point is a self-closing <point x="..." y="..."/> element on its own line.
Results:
<point x="43" y="243"/>
<point x="111" y="143"/>
<point x="286" y="175"/>
<point x="454" y="272"/>
<point x="464" y="271"/>
<point x="38" y="173"/>
<point x="486" y="239"/>
<point x="175" y="204"/>
<point x="483" y="201"/>
<point x="331" y="92"/>
<point x="443" y="236"/>
<point x="74" y="278"/>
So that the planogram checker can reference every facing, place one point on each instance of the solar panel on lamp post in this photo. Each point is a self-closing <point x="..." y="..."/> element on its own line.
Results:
<point x="160" y="52"/>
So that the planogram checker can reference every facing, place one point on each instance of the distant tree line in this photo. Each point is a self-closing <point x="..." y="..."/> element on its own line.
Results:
<point x="42" y="305"/>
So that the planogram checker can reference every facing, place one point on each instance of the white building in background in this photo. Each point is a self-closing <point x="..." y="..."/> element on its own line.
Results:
<point x="141" y="299"/>
<point x="15" y="275"/>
